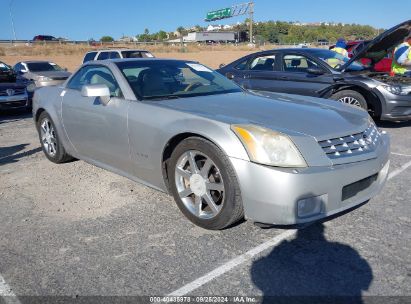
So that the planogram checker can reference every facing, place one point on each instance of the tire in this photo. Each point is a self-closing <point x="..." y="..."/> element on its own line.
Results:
<point x="50" y="142"/>
<point x="351" y="97"/>
<point x="191" y="188"/>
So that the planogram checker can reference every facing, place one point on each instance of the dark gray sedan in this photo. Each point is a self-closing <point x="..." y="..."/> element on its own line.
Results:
<point x="222" y="152"/>
<point x="327" y="74"/>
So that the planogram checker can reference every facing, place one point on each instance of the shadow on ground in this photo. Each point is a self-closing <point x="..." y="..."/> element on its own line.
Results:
<point x="13" y="115"/>
<point x="310" y="269"/>
<point x="8" y="154"/>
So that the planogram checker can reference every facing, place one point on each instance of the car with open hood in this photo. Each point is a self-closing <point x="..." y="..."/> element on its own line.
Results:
<point x="42" y="73"/>
<point x="222" y="152"/>
<point x="327" y="74"/>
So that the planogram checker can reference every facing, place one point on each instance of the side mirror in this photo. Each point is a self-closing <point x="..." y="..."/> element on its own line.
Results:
<point x="97" y="90"/>
<point x="315" y="71"/>
<point x="65" y="69"/>
<point x="21" y="72"/>
<point x="221" y="65"/>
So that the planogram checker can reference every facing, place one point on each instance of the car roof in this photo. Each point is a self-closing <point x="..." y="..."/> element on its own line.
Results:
<point x="36" y="61"/>
<point x="119" y="50"/>
<point x="299" y="50"/>
<point x="107" y="62"/>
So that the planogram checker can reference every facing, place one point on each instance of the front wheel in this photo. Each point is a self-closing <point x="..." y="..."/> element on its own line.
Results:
<point x="351" y="97"/>
<point x="204" y="184"/>
<point x="50" y="142"/>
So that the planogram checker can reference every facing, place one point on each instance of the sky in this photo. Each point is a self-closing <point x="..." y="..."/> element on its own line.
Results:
<point x="85" y="19"/>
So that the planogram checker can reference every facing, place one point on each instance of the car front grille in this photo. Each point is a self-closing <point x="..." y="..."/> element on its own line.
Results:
<point x="13" y="91"/>
<point x="351" y="145"/>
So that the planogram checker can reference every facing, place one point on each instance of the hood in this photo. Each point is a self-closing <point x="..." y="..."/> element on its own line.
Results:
<point x="58" y="75"/>
<point x="379" y="47"/>
<point x="11" y="85"/>
<point x="290" y="114"/>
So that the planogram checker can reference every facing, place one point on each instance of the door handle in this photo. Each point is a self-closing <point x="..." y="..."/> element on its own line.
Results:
<point x="283" y="77"/>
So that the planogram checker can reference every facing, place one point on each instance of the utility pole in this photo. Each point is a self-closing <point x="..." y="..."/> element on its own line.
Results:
<point x="251" y="11"/>
<point x="12" y="21"/>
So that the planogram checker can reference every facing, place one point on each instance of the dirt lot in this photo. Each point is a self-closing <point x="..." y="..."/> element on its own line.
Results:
<point x="71" y="57"/>
<point x="75" y="229"/>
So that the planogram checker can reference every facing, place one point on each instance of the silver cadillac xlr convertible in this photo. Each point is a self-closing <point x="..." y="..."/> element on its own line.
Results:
<point x="223" y="153"/>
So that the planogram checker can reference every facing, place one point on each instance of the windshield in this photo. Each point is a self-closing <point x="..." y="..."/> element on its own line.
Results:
<point x="43" y="66"/>
<point x="336" y="60"/>
<point x="164" y="79"/>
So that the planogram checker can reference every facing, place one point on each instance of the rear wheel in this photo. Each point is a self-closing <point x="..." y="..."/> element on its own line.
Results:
<point x="351" y="97"/>
<point x="204" y="184"/>
<point x="50" y="142"/>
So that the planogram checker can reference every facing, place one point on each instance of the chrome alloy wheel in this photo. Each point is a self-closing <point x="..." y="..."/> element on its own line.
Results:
<point x="48" y="137"/>
<point x="350" y="100"/>
<point x="199" y="184"/>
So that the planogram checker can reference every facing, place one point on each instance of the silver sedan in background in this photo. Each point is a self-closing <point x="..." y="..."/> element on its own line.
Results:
<point x="223" y="153"/>
<point x="42" y="73"/>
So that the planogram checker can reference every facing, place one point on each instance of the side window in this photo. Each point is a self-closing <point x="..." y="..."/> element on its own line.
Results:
<point x="263" y="63"/>
<point x="94" y="74"/>
<point x="89" y="56"/>
<point x="114" y="55"/>
<point x="103" y="56"/>
<point x="297" y="63"/>
<point x="18" y="67"/>
<point x="242" y="65"/>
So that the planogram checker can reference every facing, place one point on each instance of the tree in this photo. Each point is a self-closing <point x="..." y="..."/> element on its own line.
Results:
<point x="198" y="28"/>
<point x="161" y="35"/>
<point x="106" y="39"/>
<point x="181" y="30"/>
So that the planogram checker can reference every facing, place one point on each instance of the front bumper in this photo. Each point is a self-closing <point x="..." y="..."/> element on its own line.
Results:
<point x="14" y="102"/>
<point x="394" y="107"/>
<point x="271" y="195"/>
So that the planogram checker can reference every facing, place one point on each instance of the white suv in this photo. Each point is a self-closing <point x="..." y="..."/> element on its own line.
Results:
<point x="116" y="53"/>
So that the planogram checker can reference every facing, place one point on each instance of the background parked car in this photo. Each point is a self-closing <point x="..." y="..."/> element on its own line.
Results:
<point x="44" y="38"/>
<point x="13" y="90"/>
<point x="324" y="73"/>
<point x="115" y="54"/>
<point x="43" y="73"/>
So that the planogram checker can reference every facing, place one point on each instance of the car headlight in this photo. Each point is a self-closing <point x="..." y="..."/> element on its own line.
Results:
<point x="398" y="89"/>
<point x="43" y="78"/>
<point x="268" y="147"/>
<point x="31" y="87"/>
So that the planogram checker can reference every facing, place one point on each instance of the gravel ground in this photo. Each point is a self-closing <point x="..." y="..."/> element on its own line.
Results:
<point x="75" y="229"/>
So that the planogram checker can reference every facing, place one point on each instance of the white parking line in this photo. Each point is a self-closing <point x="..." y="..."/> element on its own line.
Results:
<point x="400" y="154"/>
<point x="251" y="253"/>
<point x="232" y="264"/>
<point x="399" y="170"/>
<point x="6" y="293"/>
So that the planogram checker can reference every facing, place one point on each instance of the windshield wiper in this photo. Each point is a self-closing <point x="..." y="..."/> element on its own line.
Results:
<point x="162" y="97"/>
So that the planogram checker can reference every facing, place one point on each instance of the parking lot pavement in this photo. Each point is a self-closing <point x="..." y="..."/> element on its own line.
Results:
<point x="75" y="229"/>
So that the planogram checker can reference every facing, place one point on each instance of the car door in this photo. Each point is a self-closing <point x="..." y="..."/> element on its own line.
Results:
<point x="295" y="76"/>
<point x="98" y="132"/>
<point x="262" y="73"/>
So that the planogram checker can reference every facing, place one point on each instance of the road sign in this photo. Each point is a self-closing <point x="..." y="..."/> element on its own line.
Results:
<point x="219" y="14"/>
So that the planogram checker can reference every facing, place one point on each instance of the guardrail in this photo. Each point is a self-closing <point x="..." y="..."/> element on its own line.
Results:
<point x="6" y="42"/>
